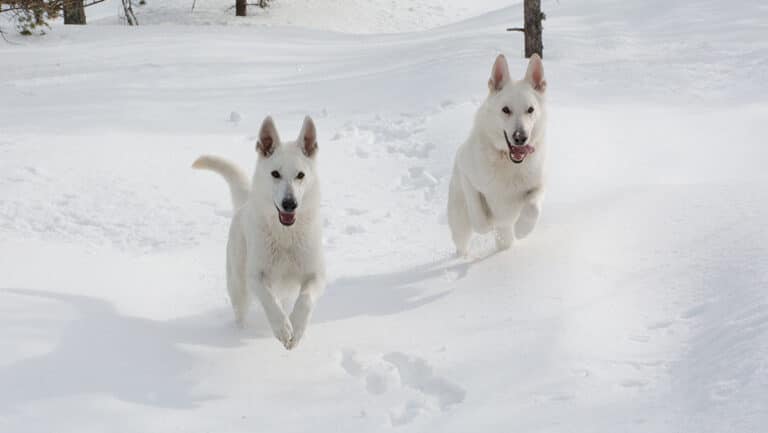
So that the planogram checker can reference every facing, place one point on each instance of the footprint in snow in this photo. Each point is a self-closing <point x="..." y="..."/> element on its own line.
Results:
<point x="417" y="178"/>
<point x="695" y="311"/>
<point x="396" y="371"/>
<point x="633" y="383"/>
<point x="355" y="212"/>
<point x="411" y="149"/>
<point x="354" y="229"/>
<point x="361" y="153"/>
<point x="418" y="374"/>
<point x="581" y="372"/>
<point x="351" y="364"/>
<point x="723" y="390"/>
<point x="406" y="413"/>
<point x="447" y="103"/>
<point x="660" y="325"/>
<point x="640" y="338"/>
<point x="555" y="397"/>
<point x="399" y="136"/>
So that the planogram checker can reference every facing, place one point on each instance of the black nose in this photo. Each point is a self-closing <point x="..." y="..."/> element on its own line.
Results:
<point x="519" y="137"/>
<point x="289" y="204"/>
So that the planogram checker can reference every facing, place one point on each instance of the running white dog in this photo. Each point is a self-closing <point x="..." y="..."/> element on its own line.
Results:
<point x="497" y="176"/>
<point x="274" y="242"/>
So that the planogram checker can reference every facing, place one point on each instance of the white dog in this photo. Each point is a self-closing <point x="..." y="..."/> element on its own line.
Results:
<point x="275" y="241"/>
<point x="497" y="176"/>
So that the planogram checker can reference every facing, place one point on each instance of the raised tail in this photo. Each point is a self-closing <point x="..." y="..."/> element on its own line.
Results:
<point x="239" y="184"/>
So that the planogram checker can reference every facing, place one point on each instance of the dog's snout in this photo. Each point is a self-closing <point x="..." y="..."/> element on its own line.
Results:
<point x="289" y="204"/>
<point x="520" y="137"/>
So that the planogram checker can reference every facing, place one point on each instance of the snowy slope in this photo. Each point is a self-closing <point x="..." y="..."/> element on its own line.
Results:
<point x="345" y="16"/>
<point x="638" y="304"/>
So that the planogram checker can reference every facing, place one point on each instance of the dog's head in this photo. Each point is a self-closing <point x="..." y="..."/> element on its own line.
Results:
<point x="286" y="171"/>
<point x="514" y="108"/>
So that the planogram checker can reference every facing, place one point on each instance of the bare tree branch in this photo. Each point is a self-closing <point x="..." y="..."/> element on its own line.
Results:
<point x="262" y="4"/>
<point x="53" y="3"/>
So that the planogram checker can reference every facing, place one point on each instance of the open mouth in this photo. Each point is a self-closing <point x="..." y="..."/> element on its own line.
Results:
<point x="518" y="152"/>
<point x="286" y="218"/>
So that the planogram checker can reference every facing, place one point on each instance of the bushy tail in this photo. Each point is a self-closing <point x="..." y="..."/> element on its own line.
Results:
<point x="239" y="184"/>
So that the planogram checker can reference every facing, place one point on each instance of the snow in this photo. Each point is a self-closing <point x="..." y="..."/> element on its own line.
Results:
<point x="638" y="304"/>
<point x="346" y="16"/>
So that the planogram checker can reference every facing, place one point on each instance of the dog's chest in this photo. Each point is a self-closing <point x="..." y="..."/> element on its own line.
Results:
<point x="288" y="259"/>
<point x="507" y="189"/>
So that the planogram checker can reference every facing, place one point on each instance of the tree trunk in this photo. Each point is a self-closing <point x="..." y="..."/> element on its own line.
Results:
<point x="38" y="13"/>
<point x="240" y="7"/>
<point x="533" y="17"/>
<point x="130" y="17"/>
<point x="74" y="12"/>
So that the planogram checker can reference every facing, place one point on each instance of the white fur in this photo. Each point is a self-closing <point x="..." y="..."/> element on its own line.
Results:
<point x="264" y="257"/>
<point x="487" y="190"/>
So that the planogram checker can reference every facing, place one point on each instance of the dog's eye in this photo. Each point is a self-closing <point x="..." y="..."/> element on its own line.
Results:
<point x="530" y="110"/>
<point x="276" y="174"/>
<point x="300" y="175"/>
<point x="506" y="110"/>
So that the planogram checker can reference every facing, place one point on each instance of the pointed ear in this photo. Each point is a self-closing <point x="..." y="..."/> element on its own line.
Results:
<point x="535" y="74"/>
<point x="308" y="138"/>
<point x="499" y="74"/>
<point x="268" y="138"/>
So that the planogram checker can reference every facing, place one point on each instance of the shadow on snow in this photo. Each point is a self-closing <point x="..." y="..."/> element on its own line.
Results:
<point x="142" y="361"/>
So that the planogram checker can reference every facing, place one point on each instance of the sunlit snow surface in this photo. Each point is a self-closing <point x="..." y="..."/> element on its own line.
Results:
<point x="639" y="303"/>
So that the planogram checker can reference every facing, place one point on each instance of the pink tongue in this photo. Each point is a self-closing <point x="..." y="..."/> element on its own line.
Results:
<point x="520" y="151"/>
<point x="287" y="218"/>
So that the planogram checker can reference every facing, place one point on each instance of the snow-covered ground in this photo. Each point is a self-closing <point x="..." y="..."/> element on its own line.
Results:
<point x="639" y="304"/>
<point x="346" y="16"/>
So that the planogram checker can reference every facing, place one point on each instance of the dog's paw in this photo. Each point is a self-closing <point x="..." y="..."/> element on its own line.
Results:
<point x="240" y="322"/>
<point x="241" y="312"/>
<point x="504" y="238"/>
<point x="462" y="252"/>
<point x="503" y="245"/>
<point x="284" y="333"/>
<point x="299" y="326"/>
<point x="527" y="221"/>
<point x="294" y="340"/>
<point x="288" y="344"/>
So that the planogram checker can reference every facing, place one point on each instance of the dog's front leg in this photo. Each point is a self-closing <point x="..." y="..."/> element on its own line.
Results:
<point x="529" y="214"/>
<point x="479" y="215"/>
<point x="258" y="284"/>
<point x="302" y="309"/>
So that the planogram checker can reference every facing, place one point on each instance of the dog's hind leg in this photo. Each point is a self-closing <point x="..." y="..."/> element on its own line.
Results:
<point x="458" y="218"/>
<point x="477" y="207"/>
<point x="238" y="296"/>
<point x="238" y="293"/>
<point x="302" y="309"/>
